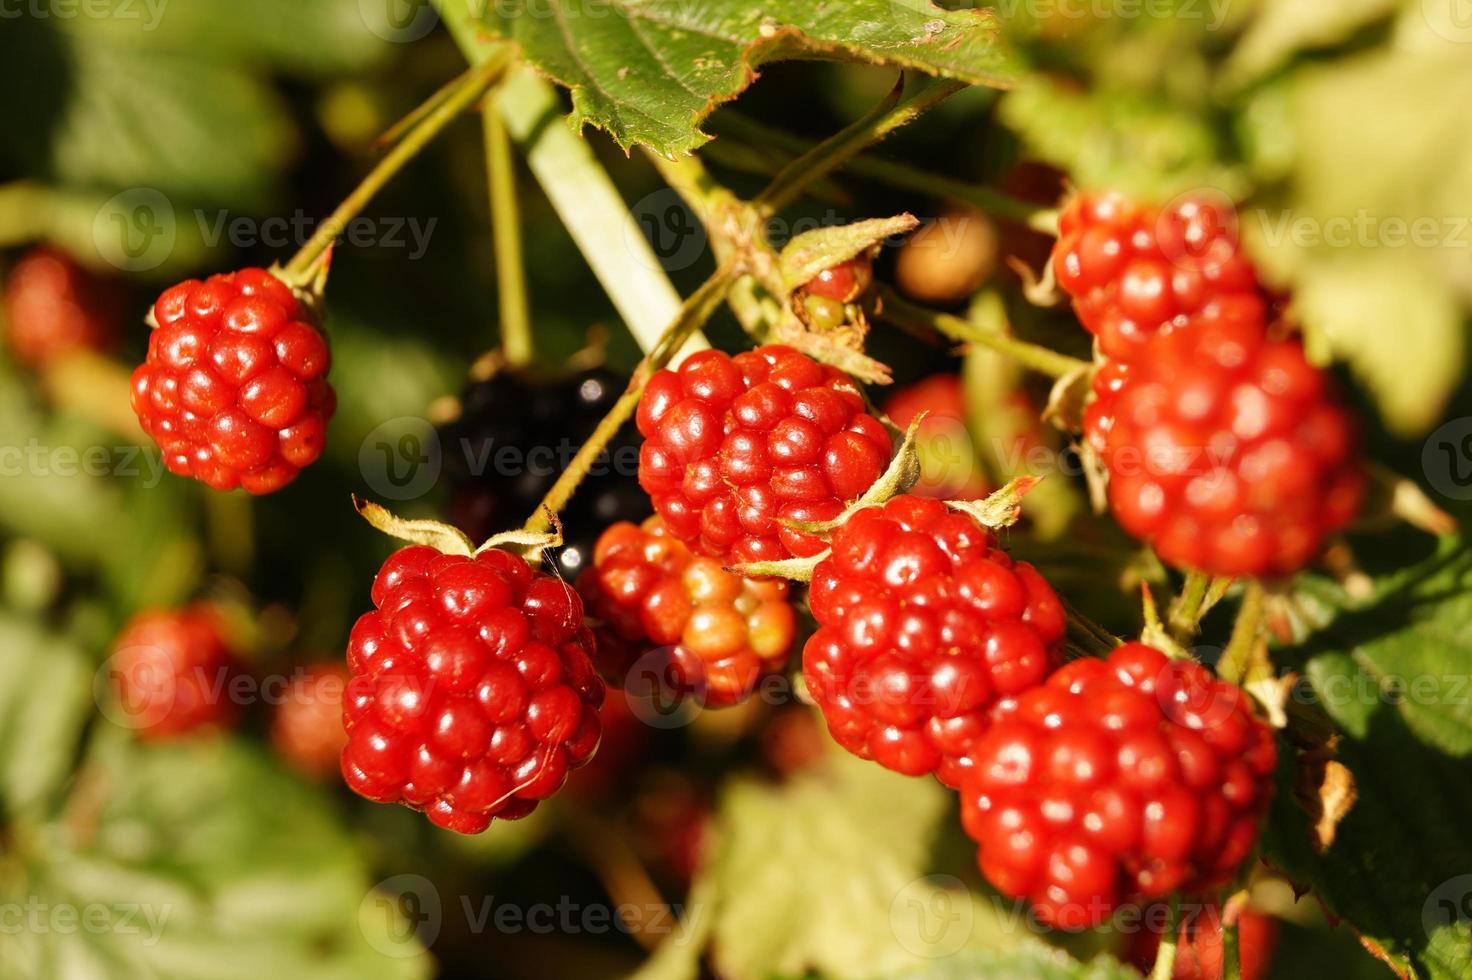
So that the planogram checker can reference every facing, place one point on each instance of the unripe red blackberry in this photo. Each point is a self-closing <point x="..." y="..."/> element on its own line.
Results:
<point x="473" y="691"/>
<point x="734" y="445"/>
<point x="170" y="673"/>
<point x="234" y="389"/>
<point x="306" y="727"/>
<point x="719" y="633"/>
<point x="1227" y="451"/>
<point x="54" y="306"/>
<point x="1118" y="781"/>
<point x="924" y="626"/>
<point x="1134" y="271"/>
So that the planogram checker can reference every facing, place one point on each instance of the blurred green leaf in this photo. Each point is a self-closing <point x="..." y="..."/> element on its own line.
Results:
<point x="1030" y="961"/>
<point x="1399" y="869"/>
<point x="45" y="698"/>
<point x="650" y="72"/>
<point x="202" y="861"/>
<point x="1279" y="29"/>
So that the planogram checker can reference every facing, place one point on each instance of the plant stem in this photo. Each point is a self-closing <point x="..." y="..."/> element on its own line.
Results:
<point x="1041" y="359"/>
<point x="1165" y="959"/>
<point x="1238" y="656"/>
<point x="1231" y="952"/>
<point x="1091" y="636"/>
<point x="516" y="324"/>
<point x="471" y="86"/>
<point x="837" y="150"/>
<point x="692" y="316"/>
<point x="902" y="175"/>
<point x="1186" y="611"/>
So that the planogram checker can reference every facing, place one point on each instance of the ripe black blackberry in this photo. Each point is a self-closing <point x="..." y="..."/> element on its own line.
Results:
<point x="516" y="433"/>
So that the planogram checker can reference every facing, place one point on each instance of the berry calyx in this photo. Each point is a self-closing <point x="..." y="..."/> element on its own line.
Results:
<point x="735" y="446"/>
<point x="234" y="388"/>
<point x="1135" y="271"/>
<point x="1118" y="781"/>
<point x="473" y="692"/>
<point x="924" y="626"/>
<point x="1226" y="450"/>
<point x="949" y="468"/>
<point x="170" y="673"/>
<point x="54" y="306"/>
<point x="1199" y="952"/>
<point x="717" y="634"/>
<point x="306" y="727"/>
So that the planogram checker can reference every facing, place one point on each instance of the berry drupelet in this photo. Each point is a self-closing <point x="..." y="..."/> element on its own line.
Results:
<point x="473" y="693"/>
<point x="234" y="388"/>
<point x="1118" y="781"/>
<point x="924" y="626"/>
<point x="734" y="446"/>
<point x="720" y="633"/>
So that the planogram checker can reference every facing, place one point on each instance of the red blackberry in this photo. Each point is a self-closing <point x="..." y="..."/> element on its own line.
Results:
<point x="924" y="625"/>
<point x="1118" y="781"/>
<point x="735" y="445"/>
<point x="514" y="437"/>
<point x="53" y="306"/>
<point x="306" y="727"/>
<point x="1199" y="949"/>
<point x="1134" y="271"/>
<point x="1227" y="451"/>
<point x="234" y="389"/>
<point x="170" y="673"/>
<point x="473" y="692"/>
<point x="720" y="632"/>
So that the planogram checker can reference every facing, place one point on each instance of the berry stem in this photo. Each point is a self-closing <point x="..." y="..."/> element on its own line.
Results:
<point x="1089" y="635"/>
<point x="834" y="152"/>
<point x="1186" y="611"/>
<point x="516" y="326"/>
<point x="696" y="310"/>
<point x="912" y="316"/>
<point x="1238" y="655"/>
<point x="470" y="87"/>
<point x="901" y="175"/>
<point x="1165" y="959"/>
<point x="1231" y="949"/>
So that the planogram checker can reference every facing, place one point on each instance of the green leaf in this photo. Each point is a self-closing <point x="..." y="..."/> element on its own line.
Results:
<point x="1030" y="961"/>
<point x="1118" y="139"/>
<point x="1280" y="29"/>
<point x="650" y="71"/>
<point x="45" y="698"/>
<point x="1399" y="869"/>
<point x="202" y="861"/>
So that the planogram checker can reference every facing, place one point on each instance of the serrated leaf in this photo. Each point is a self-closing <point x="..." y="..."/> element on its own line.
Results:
<point x="1399" y="867"/>
<point x="823" y="248"/>
<point x="650" y="71"/>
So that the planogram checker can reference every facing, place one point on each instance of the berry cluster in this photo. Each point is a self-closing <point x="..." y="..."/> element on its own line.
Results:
<point x="1118" y="780"/>
<point x="716" y="632"/>
<point x="514" y="437"/>
<point x="823" y="301"/>
<point x="170" y="672"/>
<point x="473" y="692"/>
<point x="1135" y="271"/>
<point x="924" y="626"/>
<point x="53" y="306"/>
<point x="306" y="728"/>
<point x="234" y="389"/>
<point x="735" y="446"/>
<point x="1226" y="450"/>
